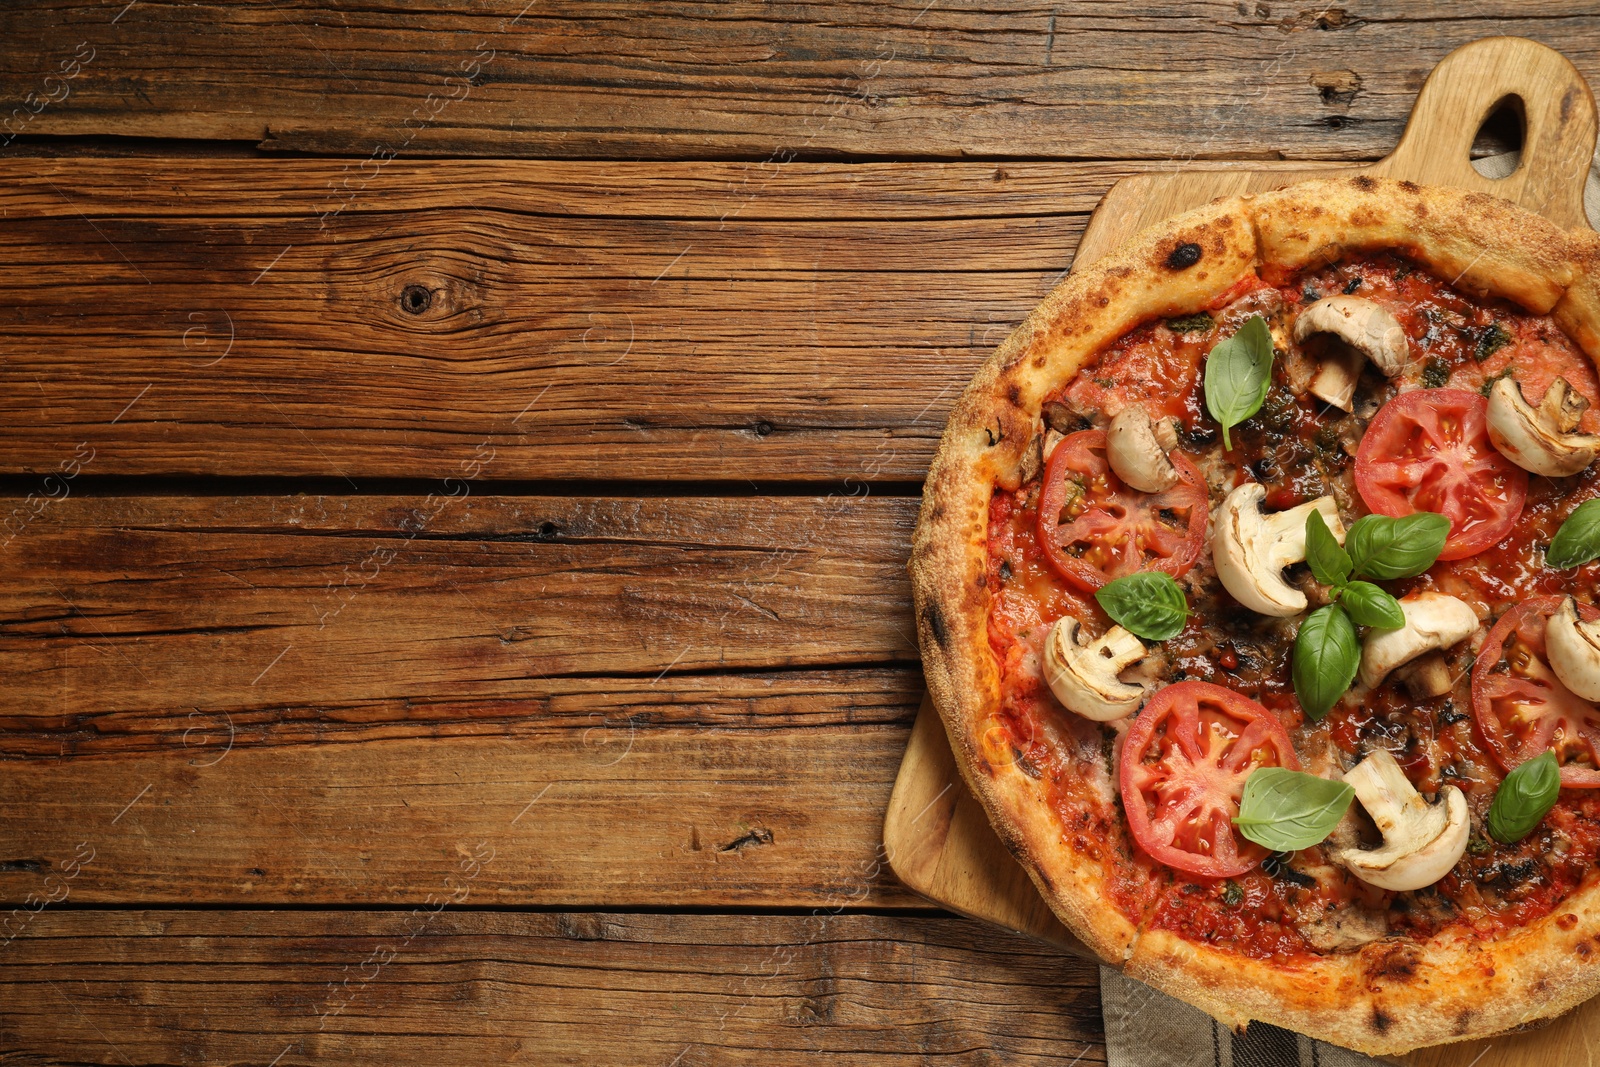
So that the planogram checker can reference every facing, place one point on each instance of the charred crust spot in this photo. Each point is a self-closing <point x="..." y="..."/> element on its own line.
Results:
<point x="1399" y="962"/>
<point x="1566" y="920"/>
<point x="1464" y="1021"/>
<point x="940" y="630"/>
<point x="1184" y="256"/>
<point x="1381" y="1021"/>
<point x="1364" y="182"/>
<point x="1014" y="394"/>
<point x="1582" y="949"/>
<point x="1411" y="187"/>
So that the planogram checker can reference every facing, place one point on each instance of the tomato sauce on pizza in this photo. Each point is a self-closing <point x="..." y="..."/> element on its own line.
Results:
<point x="1221" y="700"/>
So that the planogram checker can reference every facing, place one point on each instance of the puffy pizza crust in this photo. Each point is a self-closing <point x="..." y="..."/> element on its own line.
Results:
<point x="1390" y="996"/>
<point x="1476" y="242"/>
<point x="984" y="443"/>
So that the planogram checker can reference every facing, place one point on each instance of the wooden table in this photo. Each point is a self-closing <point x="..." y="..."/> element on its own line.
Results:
<point x="460" y="465"/>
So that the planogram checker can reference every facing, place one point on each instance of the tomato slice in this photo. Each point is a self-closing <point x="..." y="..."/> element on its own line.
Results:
<point x="1521" y="706"/>
<point x="1429" y="450"/>
<point x="1093" y="528"/>
<point x="1184" y="763"/>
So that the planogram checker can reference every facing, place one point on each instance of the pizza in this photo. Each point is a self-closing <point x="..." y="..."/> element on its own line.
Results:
<point x="1255" y="585"/>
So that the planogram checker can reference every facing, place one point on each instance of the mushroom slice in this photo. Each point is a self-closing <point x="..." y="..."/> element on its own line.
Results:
<point x="1137" y="450"/>
<point x="1368" y="332"/>
<point x="1573" y="649"/>
<point x="1052" y="437"/>
<point x="1037" y="455"/>
<point x="1083" y="674"/>
<point x="1427" y="676"/>
<point x="1251" y="549"/>
<point x="1434" y="621"/>
<point x="1541" y="439"/>
<point x="1421" y="841"/>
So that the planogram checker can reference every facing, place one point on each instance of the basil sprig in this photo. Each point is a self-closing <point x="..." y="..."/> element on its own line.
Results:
<point x="1330" y="563"/>
<point x="1238" y="372"/>
<point x="1387" y="549"/>
<point x="1578" y="540"/>
<point x="1288" y="810"/>
<point x="1523" y="799"/>
<point x="1326" y="655"/>
<point x="1370" y="606"/>
<point x="1149" y="604"/>
<point x="1326" y="650"/>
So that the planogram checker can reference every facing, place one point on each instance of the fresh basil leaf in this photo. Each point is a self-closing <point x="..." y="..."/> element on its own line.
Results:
<point x="1523" y="799"/>
<point x="1330" y="563"/>
<point x="1148" y="604"/>
<point x="1288" y="810"/>
<point x="1578" y="540"/>
<point x="1386" y="549"/>
<point x="1370" y="606"/>
<point x="1326" y="655"/>
<point x="1238" y="372"/>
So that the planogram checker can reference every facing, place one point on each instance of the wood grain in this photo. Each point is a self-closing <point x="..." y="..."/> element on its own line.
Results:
<point x="721" y="321"/>
<point x="163" y="987"/>
<point x="607" y="814"/>
<point x="826" y="78"/>
<point x="222" y="602"/>
<point x="328" y="191"/>
<point x="603" y="713"/>
<point x="571" y="345"/>
<point x="325" y="698"/>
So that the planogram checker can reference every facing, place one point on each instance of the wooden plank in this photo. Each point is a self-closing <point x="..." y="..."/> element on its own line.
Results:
<point x="331" y="190"/>
<point x="604" y="713"/>
<point x="607" y="813"/>
<point x="586" y="79"/>
<point x="466" y="988"/>
<point x="122" y="602"/>
<point x="570" y="347"/>
<point x="300" y="699"/>
<point x="719" y="321"/>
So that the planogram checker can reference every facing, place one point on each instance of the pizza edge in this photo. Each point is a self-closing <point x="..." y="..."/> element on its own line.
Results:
<point x="1488" y="246"/>
<point x="984" y="442"/>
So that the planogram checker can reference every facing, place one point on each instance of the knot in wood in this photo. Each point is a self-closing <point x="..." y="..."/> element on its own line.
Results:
<point x="415" y="299"/>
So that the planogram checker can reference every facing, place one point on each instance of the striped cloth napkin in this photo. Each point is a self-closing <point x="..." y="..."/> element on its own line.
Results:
<point x="1149" y="1029"/>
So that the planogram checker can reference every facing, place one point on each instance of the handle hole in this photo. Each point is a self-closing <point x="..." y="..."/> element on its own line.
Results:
<point x="1501" y="134"/>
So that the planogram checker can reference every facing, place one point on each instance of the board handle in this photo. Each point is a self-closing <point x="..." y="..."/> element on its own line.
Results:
<point x="1469" y="84"/>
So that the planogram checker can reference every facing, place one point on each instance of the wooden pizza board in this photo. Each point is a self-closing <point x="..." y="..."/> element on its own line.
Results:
<point x="936" y="836"/>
